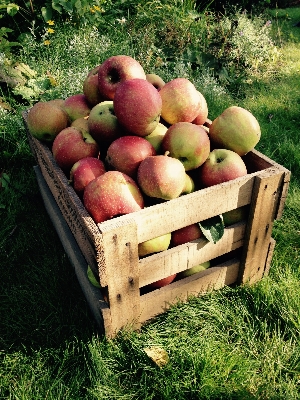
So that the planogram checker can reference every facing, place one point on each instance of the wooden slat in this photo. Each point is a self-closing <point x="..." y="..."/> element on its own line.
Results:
<point x="269" y="256"/>
<point x="180" y="258"/>
<point x="214" y="278"/>
<point x="122" y="275"/>
<point x="259" y="228"/>
<point x="188" y="209"/>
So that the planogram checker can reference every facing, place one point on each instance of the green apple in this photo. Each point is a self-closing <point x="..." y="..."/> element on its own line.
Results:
<point x="187" y="142"/>
<point x="194" y="270"/>
<point x="156" y="136"/>
<point x="233" y="216"/>
<point x="154" y="245"/>
<point x="235" y="129"/>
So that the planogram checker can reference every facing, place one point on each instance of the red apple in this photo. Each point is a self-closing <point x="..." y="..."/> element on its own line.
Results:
<point x="202" y="112"/>
<point x="235" y="129"/>
<point x="127" y="152"/>
<point x="70" y="145"/>
<point x="91" y="88"/>
<point x="222" y="165"/>
<point x="76" y="106"/>
<point x="112" y="194"/>
<point x="115" y="70"/>
<point x="162" y="282"/>
<point x="103" y="124"/>
<point x="187" y="142"/>
<point x="137" y="106"/>
<point x="84" y="171"/>
<point x="156" y="80"/>
<point x="161" y="177"/>
<point x="185" y="234"/>
<point x="180" y="101"/>
<point x="45" y="120"/>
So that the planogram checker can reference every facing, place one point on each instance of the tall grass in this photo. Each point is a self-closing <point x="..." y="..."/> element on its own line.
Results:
<point x="236" y="343"/>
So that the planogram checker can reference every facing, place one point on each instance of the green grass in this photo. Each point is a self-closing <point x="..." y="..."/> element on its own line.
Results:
<point x="236" y="343"/>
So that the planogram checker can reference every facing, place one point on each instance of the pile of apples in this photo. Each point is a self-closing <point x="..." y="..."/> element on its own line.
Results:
<point x="130" y="140"/>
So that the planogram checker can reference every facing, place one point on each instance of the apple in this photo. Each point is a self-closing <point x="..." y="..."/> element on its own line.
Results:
<point x="235" y="129"/>
<point x="112" y="194"/>
<point x="84" y="171"/>
<point x="187" y="142"/>
<point x="185" y="234"/>
<point x="155" y="245"/>
<point x="202" y="112"/>
<point x="81" y="124"/>
<point x="233" y="216"/>
<point x="127" y="152"/>
<point x="162" y="177"/>
<point x="56" y="102"/>
<point x="76" y="106"/>
<point x="45" y="120"/>
<point x="117" y="69"/>
<point x="194" y="270"/>
<point x="162" y="282"/>
<point x="103" y="124"/>
<point x="222" y="165"/>
<point x="137" y="106"/>
<point x="156" y="137"/>
<point x="156" y="80"/>
<point x="189" y="185"/>
<point x="90" y="87"/>
<point x="72" y="144"/>
<point x="180" y="101"/>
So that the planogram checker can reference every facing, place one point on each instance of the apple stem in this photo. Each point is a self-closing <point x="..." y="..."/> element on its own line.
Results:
<point x="167" y="153"/>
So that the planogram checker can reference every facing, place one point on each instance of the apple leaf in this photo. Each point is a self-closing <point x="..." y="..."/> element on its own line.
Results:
<point x="91" y="277"/>
<point x="212" y="228"/>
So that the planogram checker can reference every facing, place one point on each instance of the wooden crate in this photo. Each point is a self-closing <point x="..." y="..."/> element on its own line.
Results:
<point x="111" y="247"/>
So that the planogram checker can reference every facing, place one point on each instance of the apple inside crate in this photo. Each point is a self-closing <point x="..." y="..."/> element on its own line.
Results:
<point x="242" y="255"/>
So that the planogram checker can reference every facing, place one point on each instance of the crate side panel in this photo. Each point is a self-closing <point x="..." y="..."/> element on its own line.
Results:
<point x="81" y="224"/>
<point x="180" y="258"/>
<point x="191" y="208"/>
<point x="122" y="275"/>
<point x="158" y="301"/>
<point x="266" y="195"/>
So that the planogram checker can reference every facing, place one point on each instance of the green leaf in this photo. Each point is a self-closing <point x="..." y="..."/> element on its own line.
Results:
<point x="46" y="13"/>
<point x="12" y="9"/>
<point x="91" y="277"/>
<point x="213" y="228"/>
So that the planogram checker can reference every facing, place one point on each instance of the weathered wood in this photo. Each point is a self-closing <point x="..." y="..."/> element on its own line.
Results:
<point x="158" y="301"/>
<point x="185" y="256"/>
<point x="259" y="228"/>
<point x="269" y="256"/>
<point x="122" y="274"/>
<point x="166" y="217"/>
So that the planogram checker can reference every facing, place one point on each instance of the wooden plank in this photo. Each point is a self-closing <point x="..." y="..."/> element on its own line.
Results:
<point x="122" y="275"/>
<point x="80" y="222"/>
<point x="180" y="258"/>
<point x="93" y="295"/>
<point x="191" y="208"/>
<point x="269" y="256"/>
<point x="158" y="301"/>
<point x="259" y="228"/>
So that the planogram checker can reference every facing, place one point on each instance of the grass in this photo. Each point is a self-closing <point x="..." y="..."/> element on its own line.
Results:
<point x="236" y="343"/>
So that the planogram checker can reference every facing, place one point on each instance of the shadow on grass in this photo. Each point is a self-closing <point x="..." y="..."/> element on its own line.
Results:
<point x="42" y="304"/>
